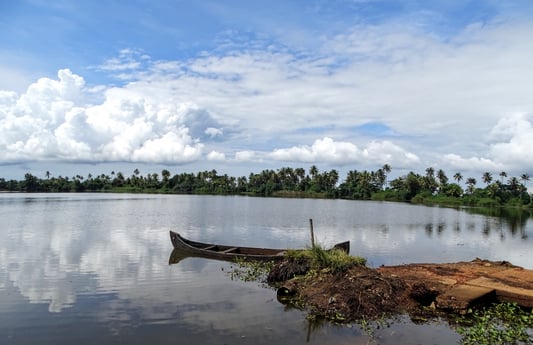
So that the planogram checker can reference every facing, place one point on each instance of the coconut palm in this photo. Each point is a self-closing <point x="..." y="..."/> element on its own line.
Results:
<point x="487" y="177"/>
<point x="503" y="175"/>
<point x="471" y="182"/>
<point x="386" y="169"/>
<point x="524" y="178"/>
<point x="458" y="177"/>
<point x="443" y="179"/>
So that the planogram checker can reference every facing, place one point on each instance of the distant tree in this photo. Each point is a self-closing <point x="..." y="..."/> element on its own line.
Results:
<point x="443" y="179"/>
<point x="458" y="177"/>
<point x="487" y="177"/>
<point x="313" y="171"/>
<point x="429" y="182"/>
<point x="386" y="169"/>
<point x="471" y="183"/>
<point x="30" y="183"/>
<point x="453" y="190"/>
<point x="503" y="175"/>
<point x="166" y="175"/>
<point x="412" y="182"/>
<point x="524" y="178"/>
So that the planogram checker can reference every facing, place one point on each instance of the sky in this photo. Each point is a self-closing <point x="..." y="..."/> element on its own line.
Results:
<point x="241" y="86"/>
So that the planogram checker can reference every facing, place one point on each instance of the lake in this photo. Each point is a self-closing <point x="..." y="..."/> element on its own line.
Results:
<point x="93" y="268"/>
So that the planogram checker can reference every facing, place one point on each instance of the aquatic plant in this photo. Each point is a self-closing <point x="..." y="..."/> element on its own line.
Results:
<point x="250" y="270"/>
<point x="504" y="323"/>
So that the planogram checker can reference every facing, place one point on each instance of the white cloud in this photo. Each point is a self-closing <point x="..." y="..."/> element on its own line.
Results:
<point x="171" y="147"/>
<point x="52" y="121"/>
<point x="436" y="94"/>
<point x="472" y="163"/>
<point x="214" y="132"/>
<point x="327" y="150"/>
<point x="511" y="140"/>
<point x="216" y="156"/>
<point x="128" y="59"/>
<point x="244" y="156"/>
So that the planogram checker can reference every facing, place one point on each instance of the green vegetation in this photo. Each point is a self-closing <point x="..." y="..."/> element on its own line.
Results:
<point x="431" y="188"/>
<point x="250" y="270"/>
<point x="334" y="260"/>
<point x="504" y="323"/>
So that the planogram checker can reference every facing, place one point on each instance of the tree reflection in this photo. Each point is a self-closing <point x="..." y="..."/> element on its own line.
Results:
<point x="513" y="219"/>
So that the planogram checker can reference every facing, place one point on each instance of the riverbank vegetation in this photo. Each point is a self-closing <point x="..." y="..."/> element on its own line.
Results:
<point x="332" y="286"/>
<point x="428" y="188"/>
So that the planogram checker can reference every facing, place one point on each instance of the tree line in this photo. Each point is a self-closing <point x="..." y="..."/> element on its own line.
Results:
<point x="431" y="187"/>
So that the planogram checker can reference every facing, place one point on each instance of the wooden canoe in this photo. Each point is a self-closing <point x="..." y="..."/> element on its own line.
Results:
<point x="226" y="252"/>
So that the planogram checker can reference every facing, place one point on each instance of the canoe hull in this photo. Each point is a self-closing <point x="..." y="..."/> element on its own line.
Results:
<point x="224" y="252"/>
<point x="230" y="253"/>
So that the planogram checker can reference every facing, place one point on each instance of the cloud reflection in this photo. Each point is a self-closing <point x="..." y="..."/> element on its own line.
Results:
<point x="57" y="251"/>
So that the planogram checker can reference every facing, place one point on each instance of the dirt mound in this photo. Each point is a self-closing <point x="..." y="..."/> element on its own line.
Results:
<point x="288" y="269"/>
<point x="360" y="292"/>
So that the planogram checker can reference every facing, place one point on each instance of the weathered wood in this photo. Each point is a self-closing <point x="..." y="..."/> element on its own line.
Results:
<point x="462" y="297"/>
<point x="187" y="247"/>
<point x="464" y="284"/>
<point x="505" y="292"/>
<point x="312" y="232"/>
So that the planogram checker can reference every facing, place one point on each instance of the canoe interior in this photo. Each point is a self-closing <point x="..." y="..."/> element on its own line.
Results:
<point x="181" y="242"/>
<point x="242" y="250"/>
<point x="225" y="252"/>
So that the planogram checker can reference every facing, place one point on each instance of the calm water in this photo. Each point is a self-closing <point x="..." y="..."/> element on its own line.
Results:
<point x="93" y="268"/>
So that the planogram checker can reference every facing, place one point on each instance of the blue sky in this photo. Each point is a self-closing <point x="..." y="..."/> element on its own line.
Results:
<point x="242" y="86"/>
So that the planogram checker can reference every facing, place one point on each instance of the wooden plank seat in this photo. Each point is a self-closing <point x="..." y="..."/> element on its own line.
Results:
<point x="230" y="250"/>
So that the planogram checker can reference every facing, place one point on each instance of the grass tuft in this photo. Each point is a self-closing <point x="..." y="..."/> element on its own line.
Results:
<point x="336" y="260"/>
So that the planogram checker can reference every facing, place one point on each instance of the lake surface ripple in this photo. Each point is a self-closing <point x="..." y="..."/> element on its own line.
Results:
<point x="93" y="268"/>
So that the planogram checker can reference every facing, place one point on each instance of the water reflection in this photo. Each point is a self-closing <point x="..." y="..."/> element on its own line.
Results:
<point x="91" y="265"/>
<point x="513" y="220"/>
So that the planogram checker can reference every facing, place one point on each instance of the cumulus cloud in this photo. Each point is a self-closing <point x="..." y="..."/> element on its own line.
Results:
<point x="327" y="150"/>
<point x="508" y="147"/>
<point x="516" y="135"/>
<point x="472" y="163"/>
<point x="216" y="156"/>
<point x="214" y="132"/>
<point x="439" y="94"/>
<point x="52" y="121"/>
<point x="244" y="156"/>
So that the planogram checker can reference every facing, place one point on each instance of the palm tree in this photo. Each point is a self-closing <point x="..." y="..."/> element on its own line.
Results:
<point x="386" y="169"/>
<point x="333" y="178"/>
<point x="471" y="182"/>
<point x="514" y="186"/>
<point x="503" y="174"/>
<point x="430" y="183"/>
<point x="458" y="177"/>
<point x="166" y="175"/>
<point x="443" y="179"/>
<point x="524" y="178"/>
<point x="313" y="171"/>
<point x="487" y="178"/>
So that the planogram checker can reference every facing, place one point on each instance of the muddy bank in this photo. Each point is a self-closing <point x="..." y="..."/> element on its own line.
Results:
<point x="415" y="289"/>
